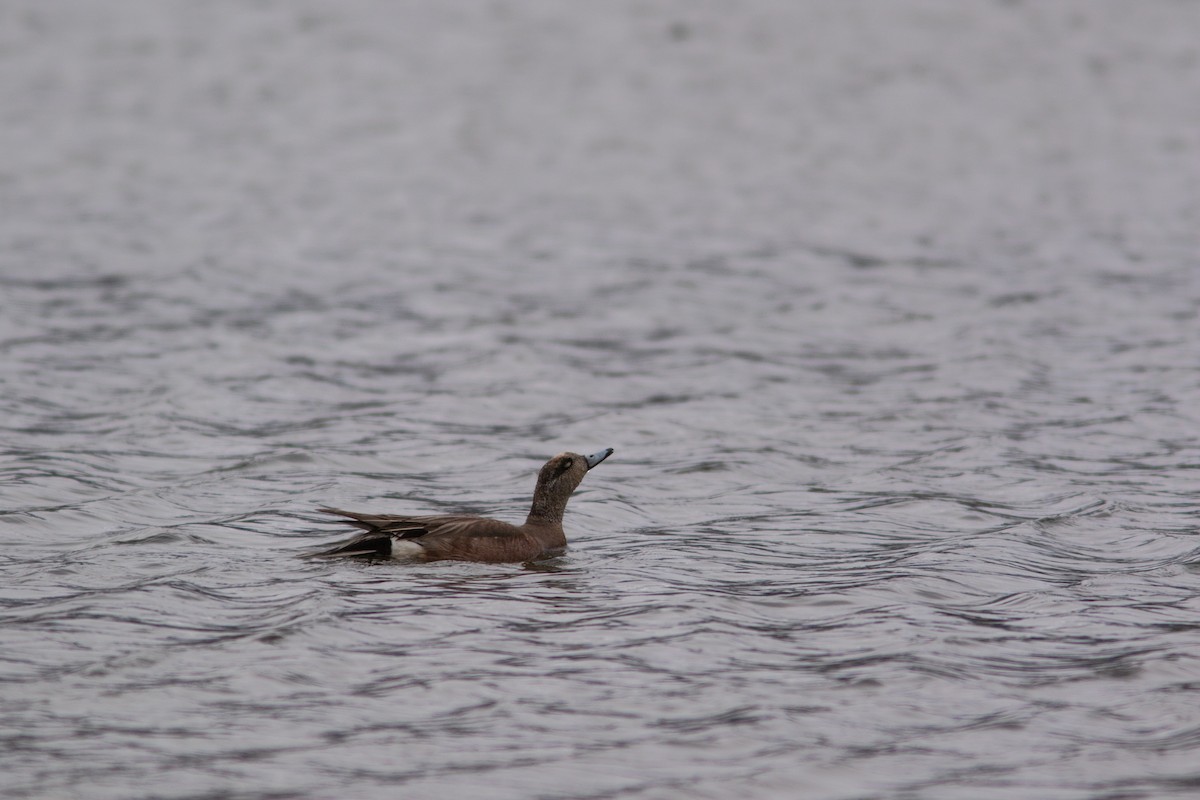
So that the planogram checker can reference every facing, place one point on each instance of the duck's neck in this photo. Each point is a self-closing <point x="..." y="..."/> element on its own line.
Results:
<point x="547" y="509"/>
<point x="545" y="515"/>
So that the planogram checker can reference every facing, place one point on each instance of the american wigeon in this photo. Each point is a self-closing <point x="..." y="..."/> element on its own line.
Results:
<point x="468" y="538"/>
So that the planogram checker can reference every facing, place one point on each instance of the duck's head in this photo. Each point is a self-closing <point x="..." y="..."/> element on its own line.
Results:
<point x="558" y="478"/>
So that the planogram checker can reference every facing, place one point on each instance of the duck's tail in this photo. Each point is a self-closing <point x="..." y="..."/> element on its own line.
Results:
<point x="386" y="536"/>
<point x="367" y="545"/>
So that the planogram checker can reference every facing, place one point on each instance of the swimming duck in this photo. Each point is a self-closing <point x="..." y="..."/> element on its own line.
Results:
<point x="468" y="538"/>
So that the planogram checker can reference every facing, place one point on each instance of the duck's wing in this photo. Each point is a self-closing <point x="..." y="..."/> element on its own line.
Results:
<point x="395" y="525"/>
<point x="383" y="532"/>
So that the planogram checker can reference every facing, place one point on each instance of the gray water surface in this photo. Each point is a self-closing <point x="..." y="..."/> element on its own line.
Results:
<point x="889" y="310"/>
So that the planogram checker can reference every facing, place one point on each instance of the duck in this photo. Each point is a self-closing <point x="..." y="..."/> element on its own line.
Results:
<point x="463" y="537"/>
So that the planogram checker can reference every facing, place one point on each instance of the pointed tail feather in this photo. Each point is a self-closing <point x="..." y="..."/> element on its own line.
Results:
<point x="369" y="545"/>
<point x="350" y="518"/>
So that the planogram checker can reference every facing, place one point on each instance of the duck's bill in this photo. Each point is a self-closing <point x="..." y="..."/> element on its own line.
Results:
<point x="596" y="458"/>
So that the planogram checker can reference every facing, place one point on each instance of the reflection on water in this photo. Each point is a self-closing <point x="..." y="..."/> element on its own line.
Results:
<point x="901" y="384"/>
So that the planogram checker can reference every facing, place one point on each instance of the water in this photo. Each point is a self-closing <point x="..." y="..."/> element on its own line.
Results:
<point x="889" y="310"/>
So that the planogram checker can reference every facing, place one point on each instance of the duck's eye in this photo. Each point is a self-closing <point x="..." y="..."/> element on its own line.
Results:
<point x="565" y="465"/>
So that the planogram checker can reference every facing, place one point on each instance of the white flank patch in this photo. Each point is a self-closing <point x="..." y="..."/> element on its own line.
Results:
<point x="404" y="550"/>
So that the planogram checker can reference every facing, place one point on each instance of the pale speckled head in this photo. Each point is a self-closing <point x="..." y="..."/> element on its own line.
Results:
<point x="557" y="479"/>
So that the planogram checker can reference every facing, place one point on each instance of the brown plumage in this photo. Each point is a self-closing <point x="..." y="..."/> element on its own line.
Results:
<point x="467" y="538"/>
